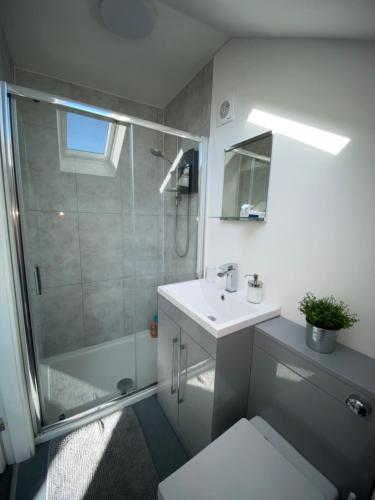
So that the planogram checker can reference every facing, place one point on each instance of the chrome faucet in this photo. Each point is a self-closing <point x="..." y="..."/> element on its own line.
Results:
<point x="229" y="270"/>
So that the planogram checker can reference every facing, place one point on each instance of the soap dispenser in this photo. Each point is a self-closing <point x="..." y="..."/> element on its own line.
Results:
<point x="255" y="289"/>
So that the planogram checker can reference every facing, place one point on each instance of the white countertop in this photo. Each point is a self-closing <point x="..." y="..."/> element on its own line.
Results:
<point x="216" y="310"/>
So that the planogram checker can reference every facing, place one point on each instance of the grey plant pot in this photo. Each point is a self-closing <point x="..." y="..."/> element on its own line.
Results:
<point x="320" y="340"/>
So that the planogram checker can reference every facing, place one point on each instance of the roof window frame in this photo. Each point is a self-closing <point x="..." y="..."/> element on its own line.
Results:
<point x="86" y="162"/>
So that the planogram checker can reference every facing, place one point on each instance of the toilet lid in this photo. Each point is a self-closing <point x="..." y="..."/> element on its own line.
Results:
<point x="241" y="464"/>
<point x="294" y="458"/>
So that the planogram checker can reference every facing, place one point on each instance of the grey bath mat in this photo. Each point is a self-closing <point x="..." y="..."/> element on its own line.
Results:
<point x="107" y="459"/>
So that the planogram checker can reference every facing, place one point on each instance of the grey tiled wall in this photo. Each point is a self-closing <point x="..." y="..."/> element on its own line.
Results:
<point x="6" y="63"/>
<point x="97" y="240"/>
<point x="102" y="259"/>
<point x="189" y="110"/>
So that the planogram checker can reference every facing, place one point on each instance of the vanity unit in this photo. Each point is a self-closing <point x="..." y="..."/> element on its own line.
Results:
<point x="204" y="352"/>
<point x="310" y="433"/>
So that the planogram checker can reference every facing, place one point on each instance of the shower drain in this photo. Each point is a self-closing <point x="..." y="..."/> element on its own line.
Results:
<point x="212" y="318"/>
<point x="125" y="384"/>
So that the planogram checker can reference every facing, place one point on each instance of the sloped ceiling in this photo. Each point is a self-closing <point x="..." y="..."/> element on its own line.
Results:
<point x="66" y="38"/>
<point x="346" y="19"/>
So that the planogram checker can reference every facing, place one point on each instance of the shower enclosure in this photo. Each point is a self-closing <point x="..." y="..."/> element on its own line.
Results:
<point x="96" y="230"/>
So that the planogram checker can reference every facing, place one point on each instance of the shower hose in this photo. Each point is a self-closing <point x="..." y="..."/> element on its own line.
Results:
<point x="187" y="241"/>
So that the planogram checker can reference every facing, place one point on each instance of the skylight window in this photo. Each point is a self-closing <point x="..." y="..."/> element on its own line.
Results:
<point x="89" y="145"/>
<point x="86" y="134"/>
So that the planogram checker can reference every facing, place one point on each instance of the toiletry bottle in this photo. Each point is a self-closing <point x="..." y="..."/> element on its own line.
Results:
<point x="154" y="326"/>
<point x="255" y="289"/>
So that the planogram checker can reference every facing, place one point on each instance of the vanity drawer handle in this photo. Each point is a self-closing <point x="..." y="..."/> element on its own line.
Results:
<point x="174" y="363"/>
<point x="358" y="405"/>
<point x="183" y="370"/>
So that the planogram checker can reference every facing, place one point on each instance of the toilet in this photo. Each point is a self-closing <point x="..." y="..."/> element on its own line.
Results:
<point x="250" y="461"/>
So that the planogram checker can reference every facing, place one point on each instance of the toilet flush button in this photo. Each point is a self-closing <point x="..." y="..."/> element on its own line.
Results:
<point x="358" y="405"/>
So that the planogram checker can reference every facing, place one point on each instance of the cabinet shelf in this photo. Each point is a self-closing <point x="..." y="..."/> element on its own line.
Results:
<point x="236" y="217"/>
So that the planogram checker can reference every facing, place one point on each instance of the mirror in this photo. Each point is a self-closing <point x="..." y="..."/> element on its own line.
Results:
<point x="246" y="179"/>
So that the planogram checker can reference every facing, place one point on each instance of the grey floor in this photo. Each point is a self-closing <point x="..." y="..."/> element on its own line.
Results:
<point x="165" y="449"/>
<point x="5" y="482"/>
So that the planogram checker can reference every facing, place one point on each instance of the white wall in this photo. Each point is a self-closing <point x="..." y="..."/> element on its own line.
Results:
<point x="17" y="440"/>
<point x="320" y="235"/>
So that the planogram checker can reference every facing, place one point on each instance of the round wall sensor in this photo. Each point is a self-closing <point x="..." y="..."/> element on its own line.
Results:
<point x="128" y="18"/>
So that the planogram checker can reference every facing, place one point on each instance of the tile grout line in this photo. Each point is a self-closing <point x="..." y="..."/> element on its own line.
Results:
<point x="132" y="146"/>
<point x="80" y="266"/>
<point x="122" y="240"/>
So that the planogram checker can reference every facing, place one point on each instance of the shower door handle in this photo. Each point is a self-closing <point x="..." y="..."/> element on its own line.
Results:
<point x="174" y="362"/>
<point x="38" y="288"/>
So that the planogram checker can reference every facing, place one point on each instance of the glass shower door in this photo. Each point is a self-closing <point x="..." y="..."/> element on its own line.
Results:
<point x="99" y="234"/>
<point x="74" y="179"/>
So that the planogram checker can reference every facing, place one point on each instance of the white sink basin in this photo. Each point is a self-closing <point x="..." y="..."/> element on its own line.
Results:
<point x="217" y="311"/>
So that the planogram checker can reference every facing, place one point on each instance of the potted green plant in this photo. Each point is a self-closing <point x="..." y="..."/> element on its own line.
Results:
<point x="324" y="318"/>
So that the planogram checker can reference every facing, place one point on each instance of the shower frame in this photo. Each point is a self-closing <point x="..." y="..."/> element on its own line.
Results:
<point x="9" y="160"/>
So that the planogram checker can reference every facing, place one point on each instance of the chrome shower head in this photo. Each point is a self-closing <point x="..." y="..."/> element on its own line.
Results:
<point x="156" y="152"/>
<point x="159" y="154"/>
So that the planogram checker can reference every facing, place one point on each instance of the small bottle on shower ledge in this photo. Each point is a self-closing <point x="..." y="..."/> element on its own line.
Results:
<point x="154" y="327"/>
